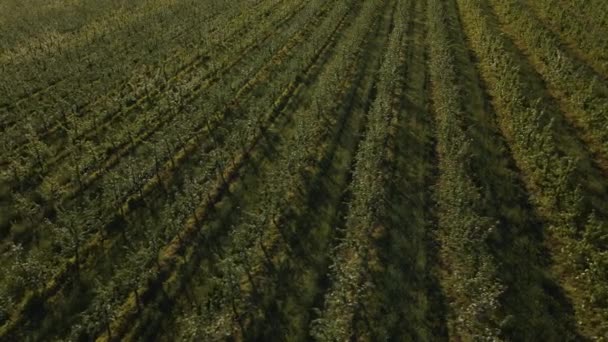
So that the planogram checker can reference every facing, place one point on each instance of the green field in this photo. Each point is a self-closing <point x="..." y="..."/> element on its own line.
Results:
<point x="296" y="170"/>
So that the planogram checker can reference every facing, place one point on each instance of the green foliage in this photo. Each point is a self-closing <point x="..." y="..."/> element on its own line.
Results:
<point x="262" y="170"/>
<point x="552" y="166"/>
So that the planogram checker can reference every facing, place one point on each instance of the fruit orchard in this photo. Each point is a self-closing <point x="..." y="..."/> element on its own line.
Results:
<point x="330" y="170"/>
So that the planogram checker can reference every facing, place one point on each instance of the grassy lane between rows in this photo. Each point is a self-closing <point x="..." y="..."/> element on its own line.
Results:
<point x="470" y="270"/>
<point x="404" y="299"/>
<point x="370" y="270"/>
<point x="313" y="231"/>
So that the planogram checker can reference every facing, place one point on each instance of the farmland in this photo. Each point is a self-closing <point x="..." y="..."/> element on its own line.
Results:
<point x="329" y="170"/>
